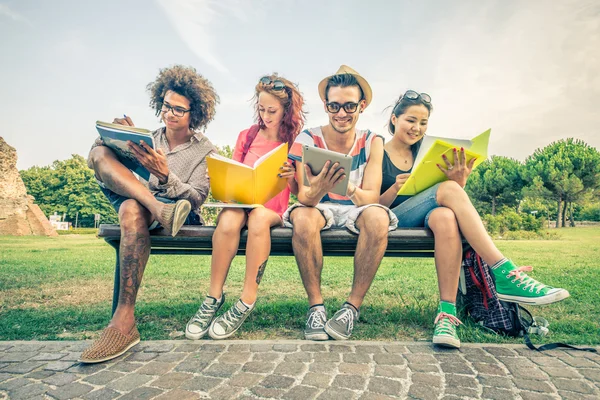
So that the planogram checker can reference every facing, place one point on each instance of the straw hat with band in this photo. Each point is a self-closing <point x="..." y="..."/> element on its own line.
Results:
<point x="344" y="69"/>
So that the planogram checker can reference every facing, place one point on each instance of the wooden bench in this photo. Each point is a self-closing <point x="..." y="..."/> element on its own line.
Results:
<point x="411" y="242"/>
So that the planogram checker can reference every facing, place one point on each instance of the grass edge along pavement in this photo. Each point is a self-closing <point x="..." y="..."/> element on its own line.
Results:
<point x="60" y="288"/>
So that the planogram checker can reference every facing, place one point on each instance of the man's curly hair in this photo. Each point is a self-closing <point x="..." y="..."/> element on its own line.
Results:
<point x="186" y="82"/>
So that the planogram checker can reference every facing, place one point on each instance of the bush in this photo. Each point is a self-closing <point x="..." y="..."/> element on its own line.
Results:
<point x="79" y="231"/>
<point x="590" y="212"/>
<point x="529" y="235"/>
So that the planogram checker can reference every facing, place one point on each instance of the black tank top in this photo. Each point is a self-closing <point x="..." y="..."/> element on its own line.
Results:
<point x="389" y="173"/>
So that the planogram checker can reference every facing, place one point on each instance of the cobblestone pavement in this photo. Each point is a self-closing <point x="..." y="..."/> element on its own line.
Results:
<point x="297" y="370"/>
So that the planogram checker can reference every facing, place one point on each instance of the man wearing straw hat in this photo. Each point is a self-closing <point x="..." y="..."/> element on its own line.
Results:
<point x="345" y="95"/>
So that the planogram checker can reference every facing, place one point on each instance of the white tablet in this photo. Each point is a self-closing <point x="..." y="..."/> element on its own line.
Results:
<point x="316" y="158"/>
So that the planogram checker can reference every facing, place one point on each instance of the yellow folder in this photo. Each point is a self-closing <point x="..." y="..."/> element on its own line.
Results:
<point x="425" y="172"/>
<point x="234" y="182"/>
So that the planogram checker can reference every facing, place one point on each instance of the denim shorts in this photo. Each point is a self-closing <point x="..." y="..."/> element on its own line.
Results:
<point x="415" y="211"/>
<point x="116" y="200"/>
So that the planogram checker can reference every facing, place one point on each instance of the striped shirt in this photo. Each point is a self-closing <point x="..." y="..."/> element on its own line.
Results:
<point x="360" y="153"/>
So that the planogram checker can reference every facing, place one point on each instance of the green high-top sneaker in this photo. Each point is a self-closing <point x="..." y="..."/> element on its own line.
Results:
<point x="445" y="326"/>
<point x="514" y="285"/>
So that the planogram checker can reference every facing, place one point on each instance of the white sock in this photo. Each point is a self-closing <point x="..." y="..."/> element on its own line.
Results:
<point x="499" y="263"/>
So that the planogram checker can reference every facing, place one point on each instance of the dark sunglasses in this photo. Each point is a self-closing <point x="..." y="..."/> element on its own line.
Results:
<point x="412" y="95"/>
<point x="276" y="84"/>
<point x="335" y="107"/>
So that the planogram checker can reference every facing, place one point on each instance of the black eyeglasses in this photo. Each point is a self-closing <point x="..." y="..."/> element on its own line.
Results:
<point x="177" y="111"/>
<point x="276" y="84"/>
<point x="412" y="95"/>
<point x="335" y="107"/>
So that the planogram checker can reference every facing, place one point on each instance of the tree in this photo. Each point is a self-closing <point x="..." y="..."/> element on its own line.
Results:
<point x="494" y="183"/>
<point x="565" y="171"/>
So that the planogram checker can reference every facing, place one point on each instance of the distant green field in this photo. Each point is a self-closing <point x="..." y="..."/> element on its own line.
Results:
<point x="53" y="288"/>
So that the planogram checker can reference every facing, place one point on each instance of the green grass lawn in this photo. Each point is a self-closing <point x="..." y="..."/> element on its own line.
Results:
<point x="61" y="288"/>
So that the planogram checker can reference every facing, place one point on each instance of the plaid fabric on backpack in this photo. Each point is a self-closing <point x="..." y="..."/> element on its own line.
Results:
<point x="477" y="296"/>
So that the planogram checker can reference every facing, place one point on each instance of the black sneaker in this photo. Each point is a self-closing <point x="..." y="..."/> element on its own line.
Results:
<point x="198" y="325"/>
<point x="341" y="324"/>
<point x="315" y="324"/>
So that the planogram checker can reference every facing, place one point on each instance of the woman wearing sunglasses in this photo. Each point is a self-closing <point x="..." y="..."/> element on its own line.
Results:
<point x="446" y="209"/>
<point x="279" y="116"/>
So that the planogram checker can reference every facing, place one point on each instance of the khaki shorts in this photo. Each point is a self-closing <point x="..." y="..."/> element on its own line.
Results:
<point x="340" y="215"/>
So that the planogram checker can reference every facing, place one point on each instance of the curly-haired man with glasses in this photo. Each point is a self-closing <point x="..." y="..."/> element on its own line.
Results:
<point x="345" y="95"/>
<point x="178" y="185"/>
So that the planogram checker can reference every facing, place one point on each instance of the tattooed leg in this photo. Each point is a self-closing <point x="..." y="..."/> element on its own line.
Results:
<point x="261" y="271"/>
<point x="134" y="252"/>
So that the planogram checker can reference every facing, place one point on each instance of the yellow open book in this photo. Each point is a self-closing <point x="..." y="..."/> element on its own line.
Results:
<point x="234" y="182"/>
<point x="425" y="172"/>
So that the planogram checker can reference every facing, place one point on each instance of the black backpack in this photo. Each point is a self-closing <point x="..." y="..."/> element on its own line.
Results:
<point x="478" y="299"/>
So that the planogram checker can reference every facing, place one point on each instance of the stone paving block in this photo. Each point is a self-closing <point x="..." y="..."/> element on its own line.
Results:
<point x="285" y="348"/>
<point x="29" y="391"/>
<point x="203" y="383"/>
<point x="461" y="380"/>
<point x="102" y="394"/>
<point x="423" y="392"/>
<point x="70" y="391"/>
<point x="3" y="364"/>
<point x="187" y="348"/>
<point x="548" y="361"/>
<point x="87" y="369"/>
<point x="221" y="370"/>
<point x="5" y="376"/>
<point x="573" y="385"/>
<point x="24" y="347"/>
<point x="39" y="374"/>
<point x="301" y="357"/>
<point x="60" y="379"/>
<point x="290" y="369"/>
<point x="389" y="359"/>
<point x="54" y="347"/>
<point x="580" y="362"/>
<point x="356" y="358"/>
<point x="530" y="373"/>
<point x="156" y="368"/>
<point x="141" y="356"/>
<point x="577" y="396"/>
<point x="203" y="356"/>
<point x="449" y="358"/>
<point x="462" y="391"/>
<point x="489" y="369"/>
<point x="267" y="356"/>
<point x="102" y="377"/>
<point x="194" y="366"/>
<point x="14" y="383"/>
<point x="238" y="348"/>
<point x="142" y="393"/>
<point x="234" y="358"/>
<point x="495" y="381"/>
<point x="354" y="369"/>
<point x="59" y="366"/>
<point x="71" y="356"/>
<point x="48" y="357"/>
<point x="477" y="351"/>
<point x="375" y="396"/>
<point x="171" y="380"/>
<point x="260" y="348"/>
<point x="129" y="382"/>
<point x="277" y="382"/>
<point x="497" y="394"/>
<point x="341" y="348"/>
<point x="395" y="348"/>
<point x="561" y="372"/>
<point x="537" y="396"/>
<point x="391" y="371"/>
<point x="323" y="367"/>
<point x="317" y="380"/>
<point x="258" y="367"/>
<point x="336" y="394"/>
<point x="178" y="394"/>
<point x="170" y="357"/>
<point x="263" y="392"/>
<point x="124" y="366"/>
<point x="424" y="368"/>
<point x="313" y="347"/>
<point x="6" y="346"/>
<point x="17" y="357"/>
<point x="420" y="359"/>
<point x="427" y="379"/>
<point x="480" y="359"/>
<point x="327" y="357"/>
<point x="385" y="386"/>
<point x="245" y="379"/>
<point x="457" y="368"/>
<point x="501" y="351"/>
<point x="591" y="374"/>
<point x="533" y="385"/>
<point x="78" y="347"/>
<point x="301" y="393"/>
<point x="22" y="367"/>
<point x="156" y="347"/>
<point x="420" y="349"/>
<point x="352" y="382"/>
<point x="368" y="349"/>
<point x="213" y="348"/>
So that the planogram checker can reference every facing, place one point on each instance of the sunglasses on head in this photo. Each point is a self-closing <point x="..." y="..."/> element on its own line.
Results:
<point x="275" y="84"/>
<point x="412" y="95"/>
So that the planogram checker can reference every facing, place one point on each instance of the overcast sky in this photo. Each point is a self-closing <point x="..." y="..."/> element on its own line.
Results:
<point x="530" y="70"/>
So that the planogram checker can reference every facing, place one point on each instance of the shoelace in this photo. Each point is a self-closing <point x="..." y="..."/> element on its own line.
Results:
<point x="451" y="318"/>
<point x="232" y="316"/>
<point x="316" y="320"/>
<point x="204" y="313"/>
<point x="347" y="317"/>
<point x="523" y="278"/>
